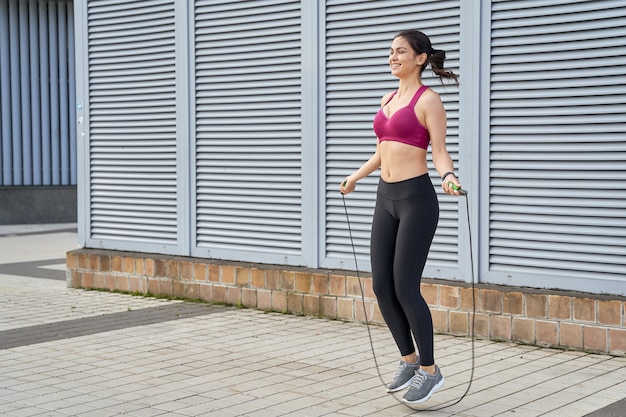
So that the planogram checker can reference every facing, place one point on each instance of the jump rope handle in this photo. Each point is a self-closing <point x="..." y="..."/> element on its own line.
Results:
<point x="457" y="188"/>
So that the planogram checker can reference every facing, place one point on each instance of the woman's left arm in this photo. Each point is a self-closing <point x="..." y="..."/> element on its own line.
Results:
<point x="436" y="122"/>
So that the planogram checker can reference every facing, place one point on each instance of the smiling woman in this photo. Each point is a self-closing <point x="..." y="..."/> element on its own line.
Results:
<point x="420" y="43"/>
<point x="407" y="210"/>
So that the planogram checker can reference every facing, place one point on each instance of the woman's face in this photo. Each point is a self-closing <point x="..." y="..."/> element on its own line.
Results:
<point x="402" y="58"/>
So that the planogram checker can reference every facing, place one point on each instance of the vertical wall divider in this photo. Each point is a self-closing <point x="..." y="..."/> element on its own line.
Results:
<point x="469" y="142"/>
<point x="82" y="124"/>
<point x="310" y="134"/>
<point x="183" y="122"/>
<point x="482" y="170"/>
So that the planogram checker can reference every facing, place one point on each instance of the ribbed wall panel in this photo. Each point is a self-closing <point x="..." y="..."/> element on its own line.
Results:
<point x="557" y="140"/>
<point x="248" y="130"/>
<point x="37" y="102"/>
<point x="132" y="121"/>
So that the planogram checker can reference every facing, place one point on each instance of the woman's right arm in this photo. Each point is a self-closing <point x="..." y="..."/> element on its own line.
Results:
<point x="372" y="164"/>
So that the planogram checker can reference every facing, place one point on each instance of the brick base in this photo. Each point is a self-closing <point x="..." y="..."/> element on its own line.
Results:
<point x="585" y="322"/>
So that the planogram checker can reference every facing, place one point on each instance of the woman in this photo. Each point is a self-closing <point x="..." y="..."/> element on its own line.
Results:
<point x="407" y="209"/>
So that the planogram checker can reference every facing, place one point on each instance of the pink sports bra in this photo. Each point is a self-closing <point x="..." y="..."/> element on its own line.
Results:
<point x="403" y="126"/>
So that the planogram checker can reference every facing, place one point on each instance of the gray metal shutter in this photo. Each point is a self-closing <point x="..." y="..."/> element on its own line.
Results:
<point x="358" y="37"/>
<point x="558" y="145"/>
<point x="37" y="100"/>
<point x="132" y="124"/>
<point x="248" y="130"/>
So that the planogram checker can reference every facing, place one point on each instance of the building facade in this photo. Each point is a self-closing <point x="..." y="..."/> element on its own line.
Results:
<point x="212" y="137"/>
<point x="38" y="162"/>
<point x="221" y="129"/>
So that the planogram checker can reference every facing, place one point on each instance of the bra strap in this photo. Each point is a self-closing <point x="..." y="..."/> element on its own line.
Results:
<point x="417" y="95"/>
<point x="389" y="99"/>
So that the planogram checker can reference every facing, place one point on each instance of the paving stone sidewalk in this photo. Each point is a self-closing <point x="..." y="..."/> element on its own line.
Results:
<point x="71" y="352"/>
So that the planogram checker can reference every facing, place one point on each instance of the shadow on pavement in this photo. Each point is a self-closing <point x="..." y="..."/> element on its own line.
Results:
<point x="98" y="324"/>
<point x="35" y="269"/>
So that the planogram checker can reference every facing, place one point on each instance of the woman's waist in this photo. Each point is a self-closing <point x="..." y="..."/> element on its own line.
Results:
<point x="402" y="168"/>
<point x="391" y="175"/>
<point x="399" y="162"/>
<point x="406" y="188"/>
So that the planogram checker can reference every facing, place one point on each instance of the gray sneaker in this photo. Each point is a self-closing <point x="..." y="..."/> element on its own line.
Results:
<point x="404" y="375"/>
<point x="423" y="386"/>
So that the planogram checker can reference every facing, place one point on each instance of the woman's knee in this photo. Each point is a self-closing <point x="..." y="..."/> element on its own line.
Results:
<point x="382" y="289"/>
<point x="409" y="295"/>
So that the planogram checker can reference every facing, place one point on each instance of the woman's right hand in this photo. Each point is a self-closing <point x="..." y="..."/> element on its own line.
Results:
<point x="347" y="186"/>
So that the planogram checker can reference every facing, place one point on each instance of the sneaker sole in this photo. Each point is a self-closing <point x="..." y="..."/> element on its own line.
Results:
<point x="401" y="387"/>
<point x="427" y="397"/>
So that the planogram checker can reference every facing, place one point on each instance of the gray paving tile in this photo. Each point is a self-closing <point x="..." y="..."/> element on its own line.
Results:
<point x="74" y="352"/>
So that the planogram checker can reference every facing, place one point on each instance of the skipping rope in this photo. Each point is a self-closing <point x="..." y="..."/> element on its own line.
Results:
<point x="449" y="403"/>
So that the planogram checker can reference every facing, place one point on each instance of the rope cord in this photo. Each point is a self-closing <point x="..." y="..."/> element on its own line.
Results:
<point x="369" y="333"/>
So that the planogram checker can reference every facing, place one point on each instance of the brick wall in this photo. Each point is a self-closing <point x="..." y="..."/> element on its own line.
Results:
<point x="585" y="322"/>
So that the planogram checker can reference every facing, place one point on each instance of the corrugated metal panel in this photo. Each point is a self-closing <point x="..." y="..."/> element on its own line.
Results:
<point x="558" y="140"/>
<point x="36" y="99"/>
<point x="132" y="121"/>
<point x="248" y="130"/>
<point x="358" y="36"/>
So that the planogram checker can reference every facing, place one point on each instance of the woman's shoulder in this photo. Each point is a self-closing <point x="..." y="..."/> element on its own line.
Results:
<point x="386" y="98"/>
<point x="430" y="97"/>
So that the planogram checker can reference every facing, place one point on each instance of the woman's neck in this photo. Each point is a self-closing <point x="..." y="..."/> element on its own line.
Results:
<point x="408" y="86"/>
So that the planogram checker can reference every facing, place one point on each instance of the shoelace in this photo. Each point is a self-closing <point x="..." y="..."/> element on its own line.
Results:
<point x="400" y="368"/>
<point x="418" y="380"/>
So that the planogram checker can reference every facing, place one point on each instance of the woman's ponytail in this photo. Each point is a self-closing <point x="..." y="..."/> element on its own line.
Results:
<point x="436" y="58"/>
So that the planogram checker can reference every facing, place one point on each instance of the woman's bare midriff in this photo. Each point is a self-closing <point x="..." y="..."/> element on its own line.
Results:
<point x="399" y="161"/>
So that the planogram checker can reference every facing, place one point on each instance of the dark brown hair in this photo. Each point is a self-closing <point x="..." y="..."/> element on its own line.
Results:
<point x="420" y="43"/>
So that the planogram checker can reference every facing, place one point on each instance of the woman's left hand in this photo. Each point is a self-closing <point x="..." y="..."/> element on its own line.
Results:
<point x="451" y="185"/>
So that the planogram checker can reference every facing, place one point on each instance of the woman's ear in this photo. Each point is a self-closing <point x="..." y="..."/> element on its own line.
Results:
<point x="423" y="58"/>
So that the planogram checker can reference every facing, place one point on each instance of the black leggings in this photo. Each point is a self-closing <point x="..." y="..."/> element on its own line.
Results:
<point x="404" y="223"/>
